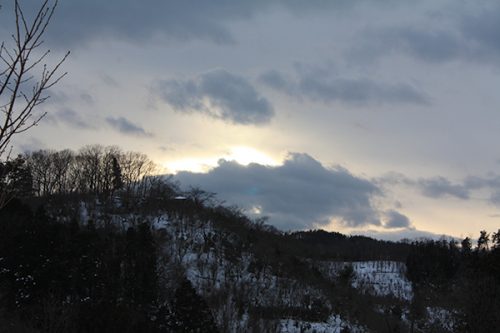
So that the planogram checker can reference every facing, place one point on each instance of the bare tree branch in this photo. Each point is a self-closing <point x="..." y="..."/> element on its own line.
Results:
<point x="22" y="89"/>
<point x="17" y="113"/>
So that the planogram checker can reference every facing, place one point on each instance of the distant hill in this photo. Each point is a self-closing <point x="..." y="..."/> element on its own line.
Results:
<point x="142" y="256"/>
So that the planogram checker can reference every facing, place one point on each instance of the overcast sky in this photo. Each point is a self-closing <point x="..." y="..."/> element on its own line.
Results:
<point x="371" y="117"/>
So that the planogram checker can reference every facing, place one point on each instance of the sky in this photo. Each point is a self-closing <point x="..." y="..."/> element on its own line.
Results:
<point x="366" y="117"/>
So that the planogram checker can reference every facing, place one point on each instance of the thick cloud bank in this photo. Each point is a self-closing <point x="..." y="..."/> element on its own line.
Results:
<point x="299" y="194"/>
<point x="78" y="22"/>
<point x="471" y="33"/>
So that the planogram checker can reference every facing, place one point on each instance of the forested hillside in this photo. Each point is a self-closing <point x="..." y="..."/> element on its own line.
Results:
<point x="95" y="241"/>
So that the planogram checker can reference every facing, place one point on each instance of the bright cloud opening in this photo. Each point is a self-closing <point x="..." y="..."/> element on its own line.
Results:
<point x="246" y="155"/>
<point x="241" y="154"/>
<point x="200" y="165"/>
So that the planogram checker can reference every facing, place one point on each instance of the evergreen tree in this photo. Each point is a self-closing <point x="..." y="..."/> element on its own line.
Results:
<point x="15" y="180"/>
<point x="483" y="241"/>
<point x="495" y="240"/>
<point x="466" y="245"/>
<point x="140" y="267"/>
<point x="117" y="175"/>
<point x="190" y="312"/>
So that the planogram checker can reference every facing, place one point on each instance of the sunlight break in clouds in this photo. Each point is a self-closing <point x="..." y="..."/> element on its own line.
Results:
<point x="242" y="155"/>
<point x="246" y="155"/>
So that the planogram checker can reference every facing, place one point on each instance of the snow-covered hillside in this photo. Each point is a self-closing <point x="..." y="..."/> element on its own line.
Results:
<point x="233" y="283"/>
<point x="334" y="324"/>
<point x="379" y="278"/>
<point x="247" y="294"/>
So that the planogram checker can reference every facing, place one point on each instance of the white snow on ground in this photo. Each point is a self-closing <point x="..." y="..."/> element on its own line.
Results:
<point x="212" y="270"/>
<point x="84" y="214"/>
<point x="441" y="318"/>
<point x="225" y="273"/>
<point x="380" y="278"/>
<point x="334" y="324"/>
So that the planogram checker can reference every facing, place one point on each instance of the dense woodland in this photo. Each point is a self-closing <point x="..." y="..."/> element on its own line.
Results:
<point x="80" y="252"/>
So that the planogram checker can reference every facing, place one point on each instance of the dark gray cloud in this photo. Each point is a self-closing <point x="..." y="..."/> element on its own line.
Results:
<point x="325" y="85"/>
<point x="470" y="34"/>
<point x="432" y="46"/>
<point x="277" y="80"/>
<point x="435" y="187"/>
<point x="490" y="182"/>
<point x="482" y="29"/>
<point x="220" y="95"/>
<point x="70" y="117"/>
<point x="435" y="46"/>
<point x="395" y="220"/>
<point x="299" y="194"/>
<point x="77" y="22"/>
<point x="125" y="126"/>
<point x="475" y="182"/>
<point x="439" y="186"/>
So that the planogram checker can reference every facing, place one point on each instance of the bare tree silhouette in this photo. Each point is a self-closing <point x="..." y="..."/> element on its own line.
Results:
<point x="24" y="80"/>
<point x="21" y="88"/>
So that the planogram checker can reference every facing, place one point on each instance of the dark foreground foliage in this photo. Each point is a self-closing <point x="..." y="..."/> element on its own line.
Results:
<point x="65" y="277"/>
<point x="461" y="278"/>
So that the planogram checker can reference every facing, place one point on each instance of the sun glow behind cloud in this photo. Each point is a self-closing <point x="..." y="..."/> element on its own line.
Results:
<point x="246" y="155"/>
<point x="190" y="164"/>
<point x="243" y="155"/>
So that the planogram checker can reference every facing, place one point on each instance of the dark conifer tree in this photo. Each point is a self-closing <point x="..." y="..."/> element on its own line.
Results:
<point x="117" y="175"/>
<point x="466" y="245"/>
<point x="190" y="312"/>
<point x="483" y="242"/>
<point x="495" y="240"/>
<point x="15" y="180"/>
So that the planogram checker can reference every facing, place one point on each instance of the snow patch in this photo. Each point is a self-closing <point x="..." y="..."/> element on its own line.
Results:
<point x="334" y="324"/>
<point x="379" y="278"/>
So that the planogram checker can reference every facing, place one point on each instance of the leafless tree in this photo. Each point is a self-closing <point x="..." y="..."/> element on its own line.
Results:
<point x="24" y="78"/>
<point x="91" y="171"/>
<point x="89" y="160"/>
<point x="40" y="164"/>
<point x="136" y="168"/>
<point x="50" y="171"/>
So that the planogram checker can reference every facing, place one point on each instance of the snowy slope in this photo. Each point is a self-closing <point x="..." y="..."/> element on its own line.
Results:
<point x="235" y="285"/>
<point x="227" y="281"/>
<point x="379" y="278"/>
<point x="334" y="324"/>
